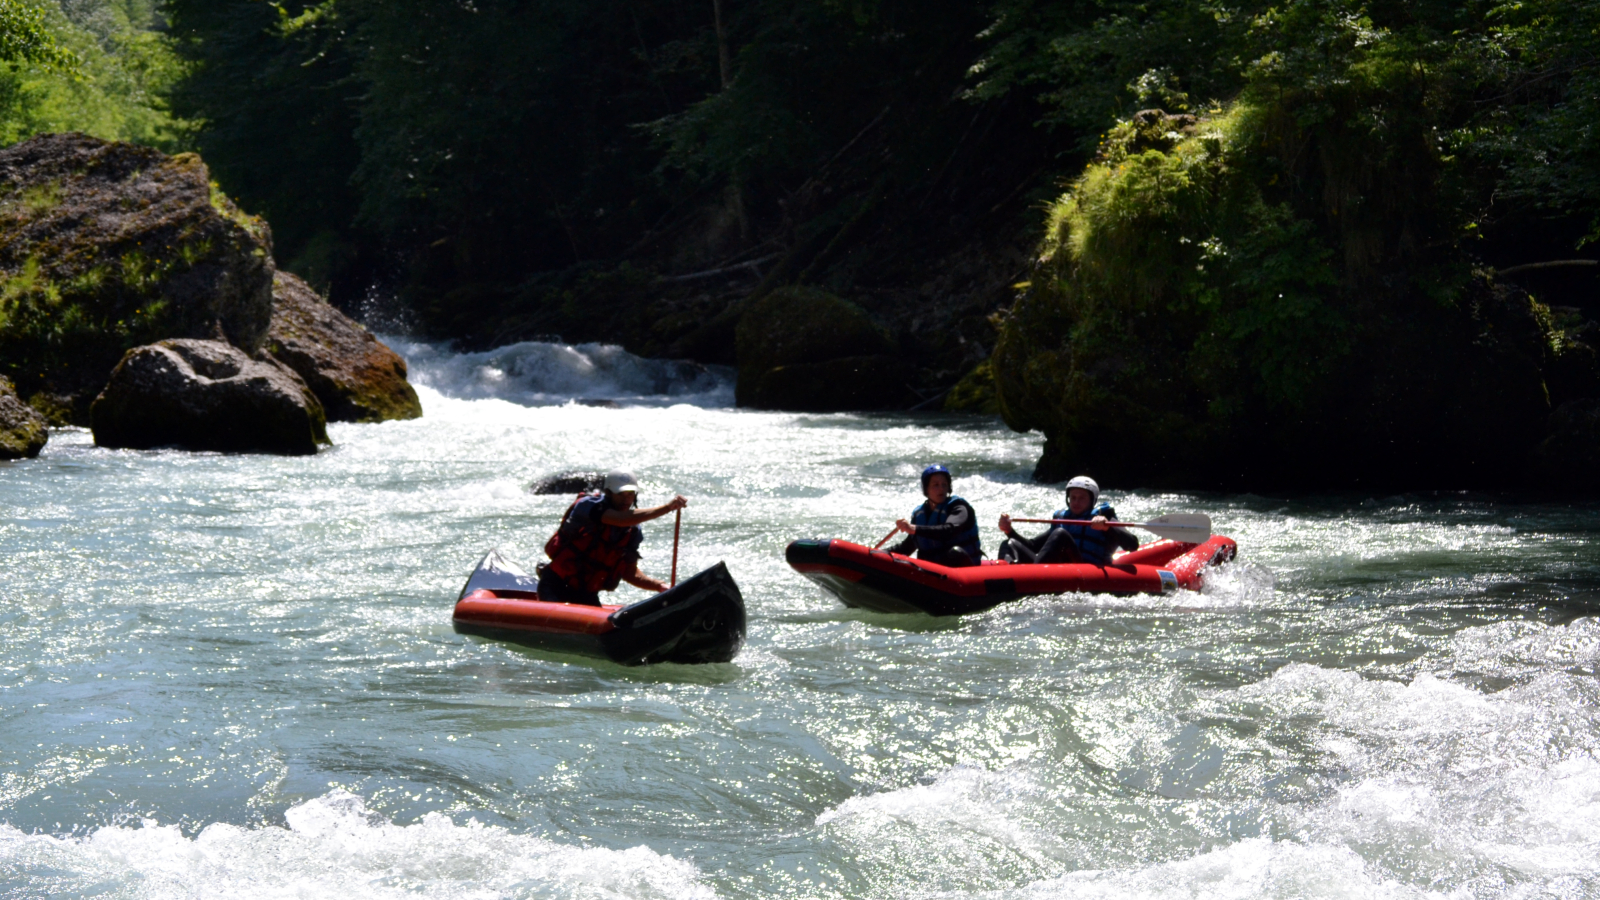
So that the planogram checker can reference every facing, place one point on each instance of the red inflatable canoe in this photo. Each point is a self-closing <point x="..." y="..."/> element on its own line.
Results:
<point x="889" y="582"/>
<point x="700" y="621"/>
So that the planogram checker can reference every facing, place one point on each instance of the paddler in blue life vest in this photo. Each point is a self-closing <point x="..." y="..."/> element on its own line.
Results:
<point x="944" y="529"/>
<point x="597" y="545"/>
<point x="1092" y="543"/>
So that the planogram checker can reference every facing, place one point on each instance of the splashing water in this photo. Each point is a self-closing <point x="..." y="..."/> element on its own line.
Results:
<point x="235" y="676"/>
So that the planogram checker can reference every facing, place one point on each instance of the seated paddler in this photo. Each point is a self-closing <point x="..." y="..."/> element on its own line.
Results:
<point x="1092" y="543"/>
<point x="944" y="529"/>
<point x="597" y="545"/>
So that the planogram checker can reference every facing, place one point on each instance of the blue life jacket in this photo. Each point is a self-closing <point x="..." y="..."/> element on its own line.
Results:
<point x="1092" y="544"/>
<point x="967" y="539"/>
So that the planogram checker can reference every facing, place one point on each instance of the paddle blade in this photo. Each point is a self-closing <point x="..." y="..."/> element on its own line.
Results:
<point x="1191" y="528"/>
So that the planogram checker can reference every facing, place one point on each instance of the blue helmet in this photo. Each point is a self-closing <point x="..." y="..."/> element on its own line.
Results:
<point x="931" y="471"/>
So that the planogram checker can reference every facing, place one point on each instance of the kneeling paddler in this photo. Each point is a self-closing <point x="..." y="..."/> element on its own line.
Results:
<point x="597" y="545"/>
<point x="944" y="529"/>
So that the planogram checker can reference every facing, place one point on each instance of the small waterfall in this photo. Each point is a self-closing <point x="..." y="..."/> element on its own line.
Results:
<point x="539" y="373"/>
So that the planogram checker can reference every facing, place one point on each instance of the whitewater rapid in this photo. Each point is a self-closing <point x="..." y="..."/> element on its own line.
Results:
<point x="235" y="676"/>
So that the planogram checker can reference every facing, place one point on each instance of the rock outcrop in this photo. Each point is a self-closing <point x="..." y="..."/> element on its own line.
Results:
<point x="804" y="349"/>
<point x="106" y="246"/>
<point x="1569" y="459"/>
<point x="22" y="430"/>
<point x="356" y="377"/>
<point x="1191" y="323"/>
<point x="207" y="395"/>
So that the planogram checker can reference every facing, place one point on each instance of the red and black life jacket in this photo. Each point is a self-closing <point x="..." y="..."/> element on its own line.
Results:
<point x="588" y="554"/>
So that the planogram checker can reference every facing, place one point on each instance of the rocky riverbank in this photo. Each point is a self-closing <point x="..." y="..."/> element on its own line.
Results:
<point x="108" y="247"/>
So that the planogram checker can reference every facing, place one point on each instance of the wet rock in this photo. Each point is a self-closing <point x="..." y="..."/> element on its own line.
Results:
<point x="207" y="395"/>
<point x="1569" y="459"/>
<point x="356" y="377"/>
<point x="106" y="246"/>
<point x="804" y="349"/>
<point x="849" y="384"/>
<point x="22" y="430"/>
<point x="568" y="483"/>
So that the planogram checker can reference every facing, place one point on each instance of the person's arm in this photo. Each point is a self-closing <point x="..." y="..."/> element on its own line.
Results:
<point x="624" y="518"/>
<point x="904" y="548"/>
<point x="640" y="580"/>
<point x="1032" y="543"/>
<point x="955" y="524"/>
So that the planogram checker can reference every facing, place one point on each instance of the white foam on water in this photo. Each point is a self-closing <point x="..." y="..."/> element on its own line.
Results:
<point x="334" y="847"/>
<point x="1254" y="869"/>
<point x="539" y="373"/>
<point x="1483" y="790"/>
<point x="964" y="827"/>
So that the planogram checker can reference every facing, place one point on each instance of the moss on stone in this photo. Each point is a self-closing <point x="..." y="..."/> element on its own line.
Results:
<point x="975" y="392"/>
<point x="106" y="246"/>
<point x="1199" y="317"/>
<point x="800" y="326"/>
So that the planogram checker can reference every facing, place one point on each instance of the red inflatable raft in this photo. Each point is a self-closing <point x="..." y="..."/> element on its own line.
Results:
<point x="699" y="621"/>
<point x="889" y="582"/>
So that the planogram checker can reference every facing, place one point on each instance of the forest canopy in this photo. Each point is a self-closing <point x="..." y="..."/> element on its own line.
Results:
<point x="508" y="167"/>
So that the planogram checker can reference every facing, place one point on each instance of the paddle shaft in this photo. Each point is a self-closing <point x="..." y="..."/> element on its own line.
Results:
<point x="677" y="526"/>
<point x="1079" y="522"/>
<point x="1177" y="527"/>
<point x="886" y="538"/>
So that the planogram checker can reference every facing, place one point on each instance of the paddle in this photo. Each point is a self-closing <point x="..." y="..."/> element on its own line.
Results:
<point x="886" y="538"/>
<point x="1190" y="528"/>
<point x="677" y="523"/>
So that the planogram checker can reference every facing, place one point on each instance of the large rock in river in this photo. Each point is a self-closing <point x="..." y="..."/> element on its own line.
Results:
<point x="22" y="430"/>
<point x="1569" y="459"/>
<point x="106" y="246"/>
<point x="207" y="395"/>
<point x="355" y="376"/>
<point x="801" y="348"/>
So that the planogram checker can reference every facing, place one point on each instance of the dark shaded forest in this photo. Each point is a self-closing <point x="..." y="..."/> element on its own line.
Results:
<point x="902" y="184"/>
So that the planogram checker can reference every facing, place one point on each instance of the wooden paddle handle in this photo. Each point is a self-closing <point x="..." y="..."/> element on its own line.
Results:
<point x="677" y="526"/>
<point x="886" y="538"/>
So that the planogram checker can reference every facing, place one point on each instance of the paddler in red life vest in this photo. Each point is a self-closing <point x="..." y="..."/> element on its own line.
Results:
<point x="597" y="545"/>
<point x="944" y="529"/>
<point x="1092" y="543"/>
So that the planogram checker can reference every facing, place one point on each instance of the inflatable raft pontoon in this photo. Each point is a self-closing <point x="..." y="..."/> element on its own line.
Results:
<point x="889" y="582"/>
<point x="699" y="621"/>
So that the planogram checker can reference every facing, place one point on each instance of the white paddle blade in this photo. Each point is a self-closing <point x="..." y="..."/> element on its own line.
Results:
<point x="1191" y="528"/>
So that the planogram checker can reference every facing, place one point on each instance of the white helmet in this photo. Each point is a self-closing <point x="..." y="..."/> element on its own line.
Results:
<point x="1088" y="484"/>
<point x="617" y="481"/>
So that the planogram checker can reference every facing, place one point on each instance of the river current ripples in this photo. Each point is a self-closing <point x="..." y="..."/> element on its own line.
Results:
<point x="235" y="676"/>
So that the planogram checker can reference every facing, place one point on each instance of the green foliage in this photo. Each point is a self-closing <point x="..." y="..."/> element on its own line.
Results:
<point x="107" y="77"/>
<point x="26" y="38"/>
<point x="1257" y="282"/>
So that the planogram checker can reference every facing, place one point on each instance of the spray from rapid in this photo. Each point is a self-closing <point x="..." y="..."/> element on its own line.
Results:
<point x="539" y="373"/>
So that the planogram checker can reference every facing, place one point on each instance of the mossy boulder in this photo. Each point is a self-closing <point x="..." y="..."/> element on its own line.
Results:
<point x="105" y="246"/>
<point x="975" y="392"/>
<point x="1569" y="459"/>
<point x="353" y="374"/>
<point x="23" y="431"/>
<point x="207" y="395"/>
<point x="1263" y="300"/>
<point x="801" y="348"/>
<point x="851" y="383"/>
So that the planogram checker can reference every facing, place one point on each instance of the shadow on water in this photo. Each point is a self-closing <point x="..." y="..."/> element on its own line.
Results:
<point x="654" y="673"/>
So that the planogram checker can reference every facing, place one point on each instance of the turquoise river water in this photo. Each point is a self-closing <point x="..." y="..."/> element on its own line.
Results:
<point x="235" y="676"/>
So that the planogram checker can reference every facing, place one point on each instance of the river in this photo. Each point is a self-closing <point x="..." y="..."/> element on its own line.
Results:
<point x="235" y="676"/>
